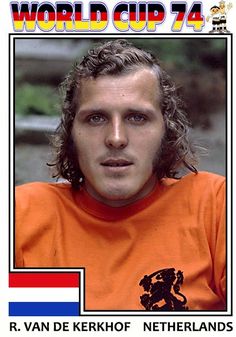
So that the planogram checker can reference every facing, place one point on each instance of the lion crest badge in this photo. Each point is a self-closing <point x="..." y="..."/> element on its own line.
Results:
<point x="162" y="291"/>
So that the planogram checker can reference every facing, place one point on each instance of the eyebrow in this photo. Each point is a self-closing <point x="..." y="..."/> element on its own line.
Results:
<point x="142" y="110"/>
<point x="86" y="112"/>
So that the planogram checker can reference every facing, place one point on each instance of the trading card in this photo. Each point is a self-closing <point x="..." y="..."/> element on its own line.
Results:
<point x="117" y="170"/>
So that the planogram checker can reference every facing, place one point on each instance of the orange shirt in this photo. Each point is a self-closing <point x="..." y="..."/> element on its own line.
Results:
<point x="175" y="236"/>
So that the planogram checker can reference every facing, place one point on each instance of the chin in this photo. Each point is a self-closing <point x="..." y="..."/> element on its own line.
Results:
<point x="117" y="195"/>
<point x="118" y="192"/>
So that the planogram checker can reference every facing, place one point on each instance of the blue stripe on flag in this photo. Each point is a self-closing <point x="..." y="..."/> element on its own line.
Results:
<point x="43" y="308"/>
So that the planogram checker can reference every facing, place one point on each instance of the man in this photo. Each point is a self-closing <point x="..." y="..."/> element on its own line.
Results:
<point x="147" y="240"/>
<point x="223" y="15"/>
<point x="215" y="17"/>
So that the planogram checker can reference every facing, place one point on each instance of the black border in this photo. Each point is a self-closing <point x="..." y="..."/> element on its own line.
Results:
<point x="228" y="188"/>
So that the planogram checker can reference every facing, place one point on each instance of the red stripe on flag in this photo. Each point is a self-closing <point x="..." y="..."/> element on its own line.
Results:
<point x="46" y="280"/>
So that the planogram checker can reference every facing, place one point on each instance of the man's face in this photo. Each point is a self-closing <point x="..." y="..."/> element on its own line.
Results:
<point x="117" y="132"/>
<point x="214" y="11"/>
<point x="222" y="9"/>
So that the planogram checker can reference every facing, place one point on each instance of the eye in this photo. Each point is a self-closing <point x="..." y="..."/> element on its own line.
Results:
<point x="137" y="118"/>
<point x="96" y="119"/>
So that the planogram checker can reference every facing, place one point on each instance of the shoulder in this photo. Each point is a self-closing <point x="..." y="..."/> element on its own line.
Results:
<point x="204" y="178"/>
<point x="196" y="186"/>
<point x="41" y="188"/>
<point x="41" y="193"/>
<point x="37" y="204"/>
<point x="204" y="181"/>
<point x="199" y="179"/>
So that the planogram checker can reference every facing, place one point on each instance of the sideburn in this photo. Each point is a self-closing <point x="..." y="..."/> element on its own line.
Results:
<point x="157" y="164"/>
<point x="73" y="164"/>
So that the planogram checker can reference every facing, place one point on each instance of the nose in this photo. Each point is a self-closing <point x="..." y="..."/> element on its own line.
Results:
<point x="116" y="136"/>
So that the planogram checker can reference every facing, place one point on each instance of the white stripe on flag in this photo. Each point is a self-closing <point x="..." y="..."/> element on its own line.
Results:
<point x="43" y="295"/>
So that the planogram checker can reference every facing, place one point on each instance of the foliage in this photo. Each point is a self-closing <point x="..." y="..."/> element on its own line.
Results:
<point x="36" y="99"/>
<point x="187" y="54"/>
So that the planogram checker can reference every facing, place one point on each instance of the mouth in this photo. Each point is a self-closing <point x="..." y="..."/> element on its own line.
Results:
<point x="116" y="163"/>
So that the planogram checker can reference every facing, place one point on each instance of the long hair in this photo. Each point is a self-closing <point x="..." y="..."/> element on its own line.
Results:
<point x="118" y="57"/>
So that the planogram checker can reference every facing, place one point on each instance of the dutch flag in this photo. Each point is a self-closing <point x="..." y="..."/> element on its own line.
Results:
<point x="44" y="294"/>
